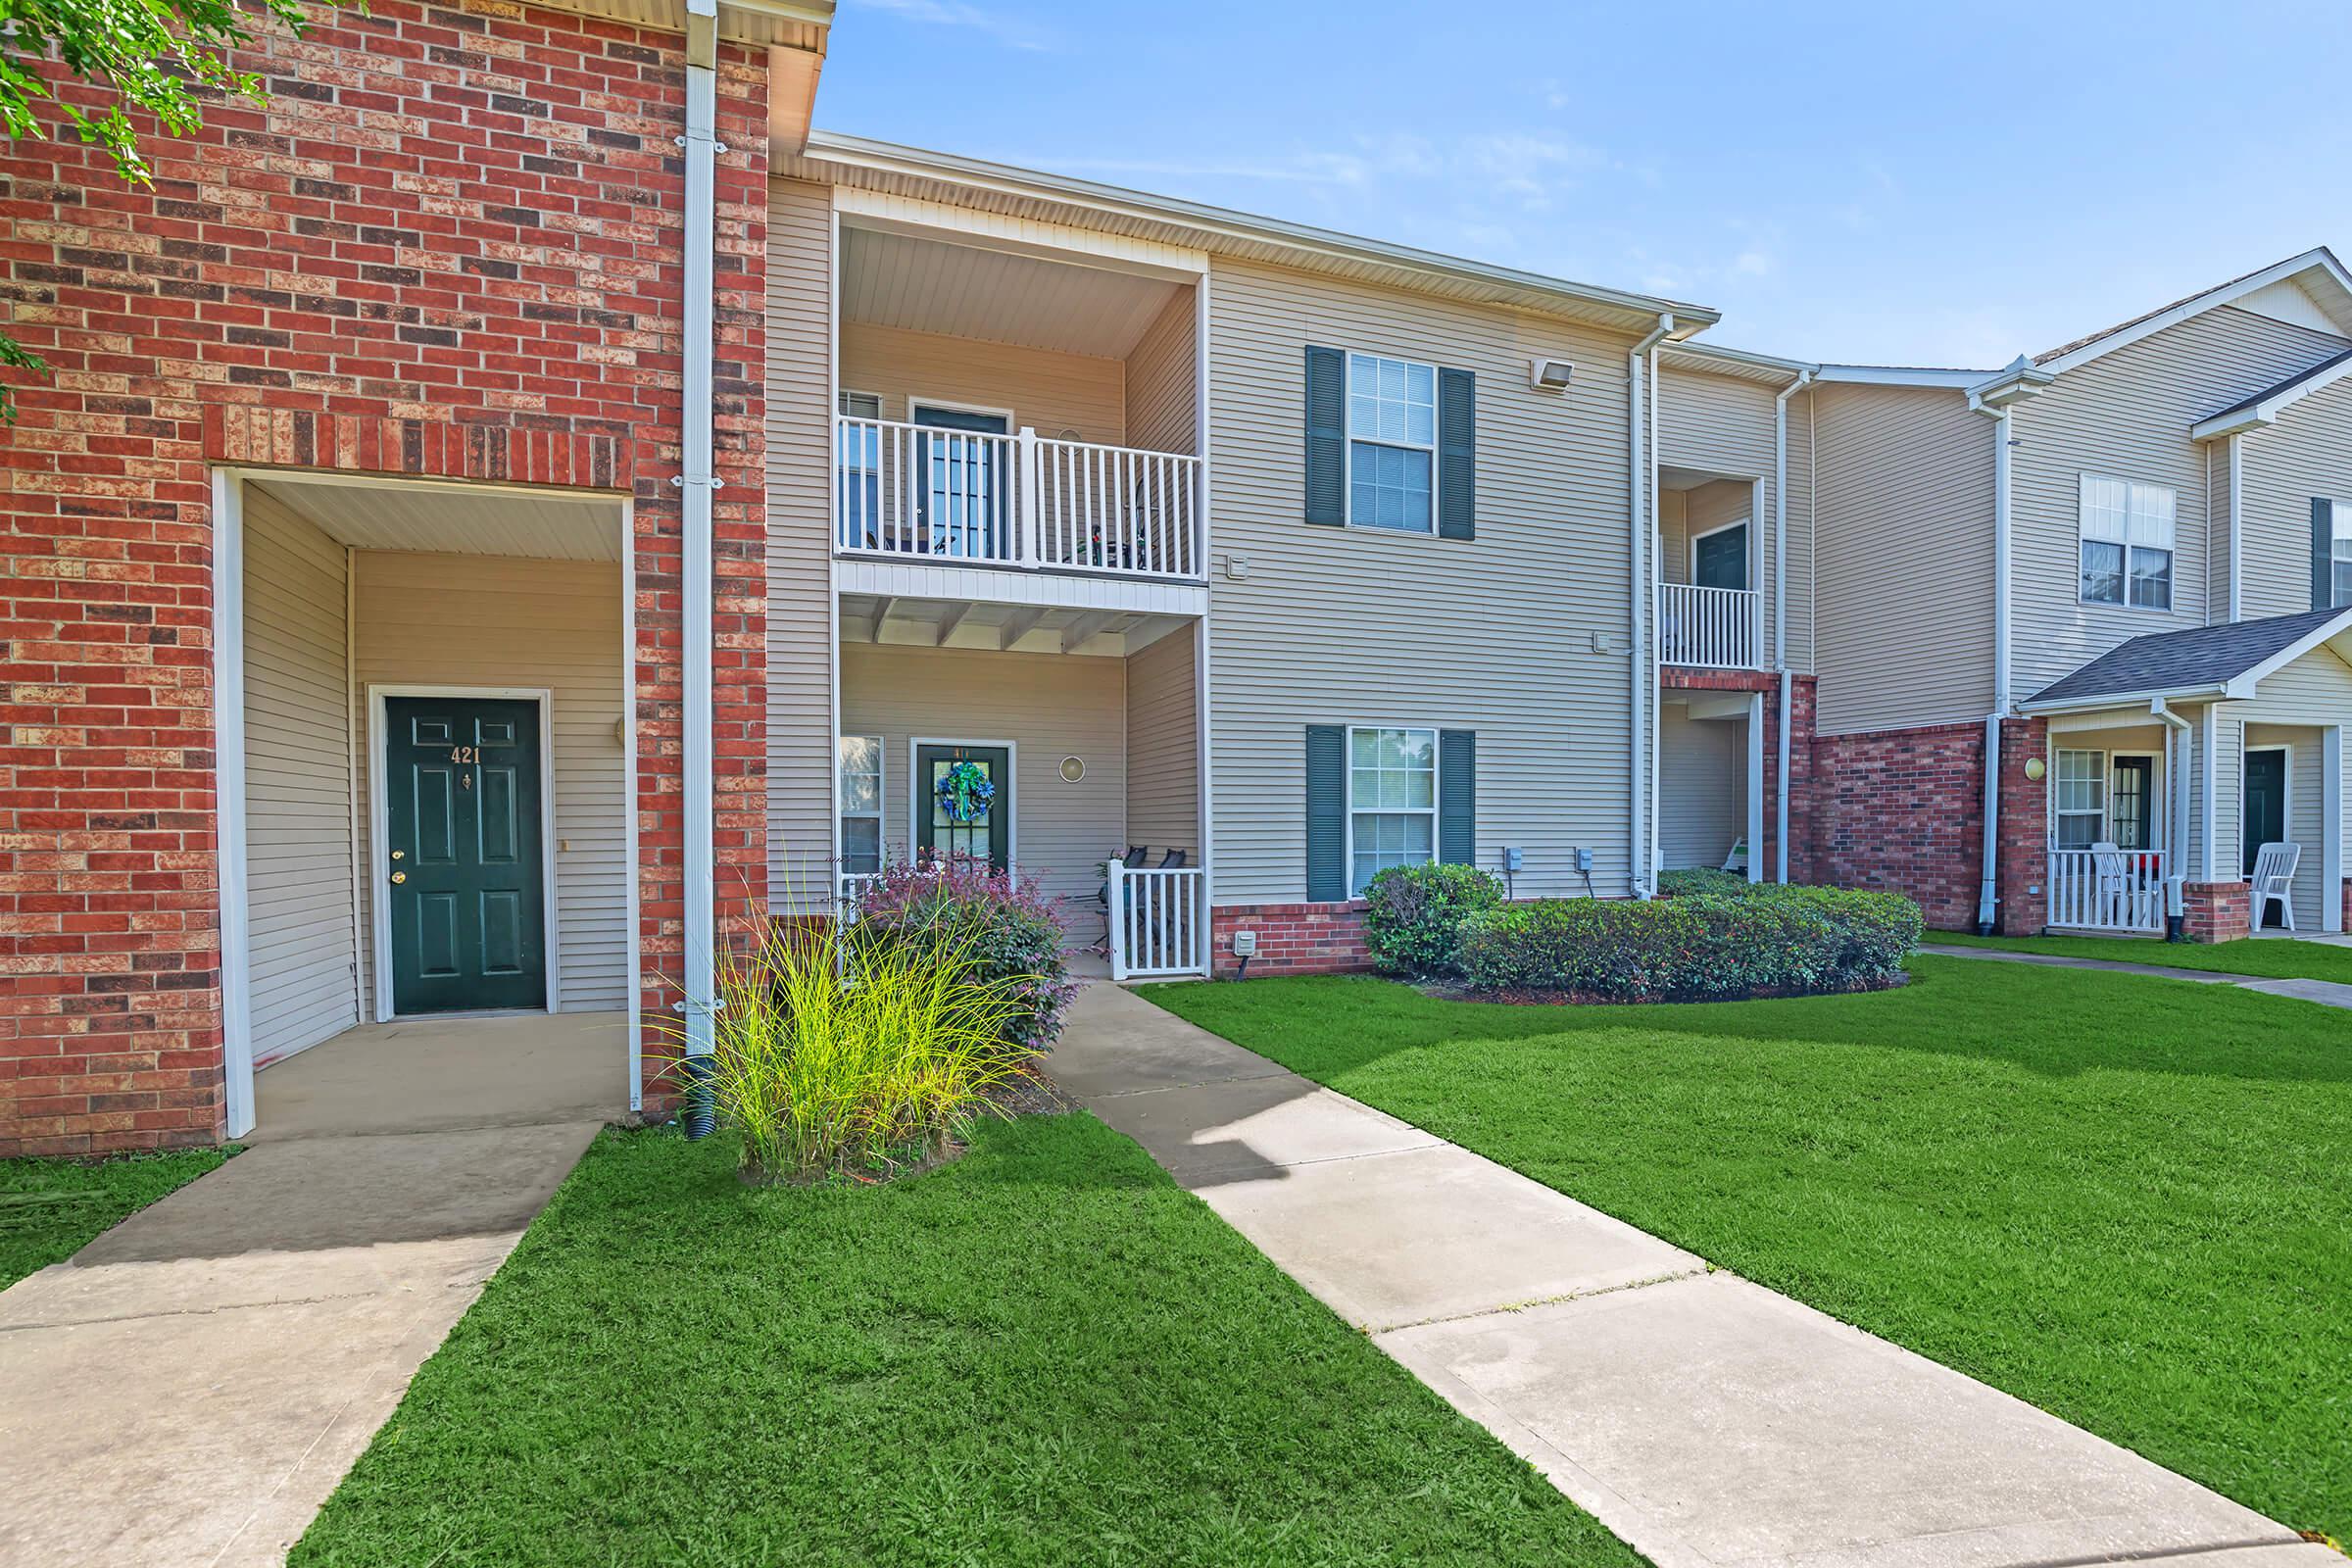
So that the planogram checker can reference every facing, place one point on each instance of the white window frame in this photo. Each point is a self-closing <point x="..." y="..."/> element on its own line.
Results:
<point x="881" y="812"/>
<point x="2339" y="553"/>
<point x="1349" y="439"/>
<point x="2132" y="490"/>
<point x="2101" y="774"/>
<point x="1437" y="787"/>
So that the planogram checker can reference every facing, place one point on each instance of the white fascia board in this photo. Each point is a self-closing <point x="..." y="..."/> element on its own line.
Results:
<point x="2324" y="632"/>
<point x="1901" y="375"/>
<point x="2320" y="258"/>
<point x="1215" y="222"/>
<point x="2257" y="414"/>
<point x="1715" y="354"/>
<point x="2131" y="703"/>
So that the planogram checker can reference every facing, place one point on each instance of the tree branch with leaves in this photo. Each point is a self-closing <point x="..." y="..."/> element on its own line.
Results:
<point x="156" y="58"/>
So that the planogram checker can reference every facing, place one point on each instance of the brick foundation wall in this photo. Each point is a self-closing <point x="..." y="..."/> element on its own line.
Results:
<point x="1901" y="811"/>
<point x="2023" y="852"/>
<point x="2216" y="911"/>
<point x="447" y="245"/>
<point x="1292" y="938"/>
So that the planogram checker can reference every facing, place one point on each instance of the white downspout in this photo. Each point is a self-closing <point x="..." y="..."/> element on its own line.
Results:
<point x="1780" y="611"/>
<point x="2178" y="740"/>
<point x="2237" y="536"/>
<point x="696" y="482"/>
<point x="1640" y="500"/>
<point x="1988" y="893"/>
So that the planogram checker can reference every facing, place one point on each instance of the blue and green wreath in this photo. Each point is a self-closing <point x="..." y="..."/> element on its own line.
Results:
<point x="965" y="792"/>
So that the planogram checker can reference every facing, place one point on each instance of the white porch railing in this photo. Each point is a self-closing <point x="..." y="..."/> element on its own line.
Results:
<point x="2107" y="889"/>
<point x="1017" y="500"/>
<point x="1713" y="628"/>
<point x="1158" y="925"/>
<point x="850" y="885"/>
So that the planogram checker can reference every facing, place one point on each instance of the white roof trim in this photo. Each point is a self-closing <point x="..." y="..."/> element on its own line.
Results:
<point x="1705" y="354"/>
<point x="1901" y="375"/>
<point x="2321" y="260"/>
<point x="2267" y="411"/>
<point x="2325" y="631"/>
<point x="2133" y="700"/>
<point x="1216" y="223"/>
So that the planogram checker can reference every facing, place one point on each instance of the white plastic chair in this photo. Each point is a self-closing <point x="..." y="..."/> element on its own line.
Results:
<point x="1736" y="861"/>
<point x="2275" y="879"/>
<point x="2111" y="877"/>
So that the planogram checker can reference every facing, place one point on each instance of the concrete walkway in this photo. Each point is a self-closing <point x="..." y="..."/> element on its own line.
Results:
<point x="191" y="1386"/>
<point x="2326" y="993"/>
<point x="1707" y="1421"/>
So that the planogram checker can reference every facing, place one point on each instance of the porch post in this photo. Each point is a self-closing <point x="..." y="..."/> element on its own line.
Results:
<point x="2331" y="829"/>
<point x="1114" y="906"/>
<point x="1032" y="470"/>
<point x="1755" y="786"/>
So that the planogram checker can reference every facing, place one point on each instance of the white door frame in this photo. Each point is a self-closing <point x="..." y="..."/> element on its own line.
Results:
<point x="1013" y="783"/>
<point x="1748" y="565"/>
<point x="380" y="891"/>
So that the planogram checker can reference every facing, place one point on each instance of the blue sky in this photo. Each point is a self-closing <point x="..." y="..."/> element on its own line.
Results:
<point x="1896" y="182"/>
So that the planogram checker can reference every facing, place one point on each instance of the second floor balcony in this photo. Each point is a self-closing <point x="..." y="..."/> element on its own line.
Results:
<point x="964" y="493"/>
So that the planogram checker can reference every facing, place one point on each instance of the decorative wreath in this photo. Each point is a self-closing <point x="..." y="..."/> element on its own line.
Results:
<point x="965" y="792"/>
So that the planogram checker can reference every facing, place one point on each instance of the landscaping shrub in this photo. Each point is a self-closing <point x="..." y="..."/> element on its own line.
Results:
<point x="1695" y="947"/>
<point x="1413" y="921"/>
<point x="821" y="1076"/>
<point x="1002" y="925"/>
<point x="1702" y="879"/>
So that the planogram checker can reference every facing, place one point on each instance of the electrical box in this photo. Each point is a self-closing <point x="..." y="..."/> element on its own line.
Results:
<point x="1514" y="858"/>
<point x="1245" y="944"/>
<point x="1237" y="568"/>
<point x="1584" y="860"/>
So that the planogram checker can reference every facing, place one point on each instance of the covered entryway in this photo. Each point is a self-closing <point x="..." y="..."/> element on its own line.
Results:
<point x="431" y="779"/>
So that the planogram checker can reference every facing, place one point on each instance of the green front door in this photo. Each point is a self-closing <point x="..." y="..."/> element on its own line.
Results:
<point x="951" y="821"/>
<point x="463" y="855"/>
<point x="1719" y="560"/>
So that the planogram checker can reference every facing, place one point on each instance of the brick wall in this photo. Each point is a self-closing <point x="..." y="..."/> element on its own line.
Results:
<point x="2023" y="851"/>
<point x="1292" y="938"/>
<point x="2216" y="911"/>
<point x="1902" y="811"/>
<point x="447" y="245"/>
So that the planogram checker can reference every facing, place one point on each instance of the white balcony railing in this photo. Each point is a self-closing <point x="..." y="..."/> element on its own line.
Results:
<point x="2107" y="889"/>
<point x="1713" y="628"/>
<point x="1022" y="499"/>
<point x="1158" y="925"/>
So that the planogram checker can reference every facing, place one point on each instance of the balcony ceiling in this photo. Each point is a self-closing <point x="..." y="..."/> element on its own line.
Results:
<point x="991" y="627"/>
<point x="411" y="514"/>
<point x="925" y="285"/>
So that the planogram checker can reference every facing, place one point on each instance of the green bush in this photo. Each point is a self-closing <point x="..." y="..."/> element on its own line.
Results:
<point x="1695" y="947"/>
<point x="1413" y="921"/>
<point x="1002" y="925"/>
<point x="1702" y="879"/>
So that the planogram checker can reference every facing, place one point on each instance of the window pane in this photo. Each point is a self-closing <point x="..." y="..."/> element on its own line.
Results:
<point x="862" y="844"/>
<point x="1390" y="486"/>
<point x="1392" y="401"/>
<point x="2151" y="519"/>
<point x="2104" y="505"/>
<point x="2340" y="523"/>
<point x="2077" y="832"/>
<point x="2102" y="573"/>
<point x="2153" y="580"/>
<point x="2341" y="572"/>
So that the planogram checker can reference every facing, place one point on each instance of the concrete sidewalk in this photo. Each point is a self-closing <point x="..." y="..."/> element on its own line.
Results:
<point x="2326" y="993"/>
<point x="1707" y="1421"/>
<point x="192" y="1385"/>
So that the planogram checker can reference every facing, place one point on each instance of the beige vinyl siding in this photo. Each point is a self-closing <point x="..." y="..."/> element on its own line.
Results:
<point x="1340" y="626"/>
<point x="2294" y="707"/>
<point x="1163" y="776"/>
<point x="1903" y="578"/>
<point x="1048" y="706"/>
<point x="1703" y="787"/>
<point x="303" y="950"/>
<point x="1674" y="535"/>
<point x="503" y="621"/>
<point x="800" y="559"/>
<point x="1162" y="389"/>
<point x="1724" y="424"/>
<point x="2308" y="452"/>
<point x="1050" y="393"/>
<point x="2127" y="416"/>
<point x="2217" y="457"/>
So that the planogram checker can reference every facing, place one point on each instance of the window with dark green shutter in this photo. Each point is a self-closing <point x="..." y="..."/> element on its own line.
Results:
<point x="1458" y="455"/>
<point x="1326" y="437"/>
<point x="1390" y="444"/>
<point x="1457" y="796"/>
<point x="2331" y="553"/>
<point x="1326" y="813"/>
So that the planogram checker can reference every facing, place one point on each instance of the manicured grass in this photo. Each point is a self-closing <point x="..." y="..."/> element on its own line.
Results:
<point x="2270" y="957"/>
<point x="2120" y="1197"/>
<point x="1044" y="1353"/>
<point x="52" y="1208"/>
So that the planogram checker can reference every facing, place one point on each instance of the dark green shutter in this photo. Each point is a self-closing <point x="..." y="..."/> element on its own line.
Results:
<point x="1326" y="813"/>
<point x="2323" y="554"/>
<point x="1458" y="455"/>
<point x="1457" y="796"/>
<point x="1326" y="437"/>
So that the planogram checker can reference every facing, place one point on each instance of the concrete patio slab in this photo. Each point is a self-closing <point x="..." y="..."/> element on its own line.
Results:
<point x="1489" y="1238"/>
<point x="440" y="1074"/>
<point x="1709" y="1422"/>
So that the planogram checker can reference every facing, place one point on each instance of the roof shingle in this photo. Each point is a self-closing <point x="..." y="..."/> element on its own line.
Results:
<point x="2185" y="660"/>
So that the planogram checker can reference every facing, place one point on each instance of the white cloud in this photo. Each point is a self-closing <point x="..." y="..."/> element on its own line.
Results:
<point x="1012" y="32"/>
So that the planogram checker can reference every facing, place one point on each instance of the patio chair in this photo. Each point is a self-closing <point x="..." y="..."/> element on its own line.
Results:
<point x="1736" y="861"/>
<point x="2111" y="878"/>
<point x="1175" y="860"/>
<point x="2275" y="879"/>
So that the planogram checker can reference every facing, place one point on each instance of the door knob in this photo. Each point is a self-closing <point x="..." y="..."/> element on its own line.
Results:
<point x="400" y="876"/>
<point x="399" y="855"/>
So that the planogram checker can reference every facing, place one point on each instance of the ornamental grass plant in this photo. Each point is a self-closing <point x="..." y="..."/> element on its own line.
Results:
<point x="823" y="1074"/>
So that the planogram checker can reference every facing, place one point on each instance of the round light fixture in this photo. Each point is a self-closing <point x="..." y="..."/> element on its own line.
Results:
<point x="2035" y="769"/>
<point x="1072" y="769"/>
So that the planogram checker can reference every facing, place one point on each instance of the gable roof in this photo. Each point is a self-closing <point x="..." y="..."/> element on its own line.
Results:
<point x="2205" y="662"/>
<point x="2317" y="269"/>
<point x="2264" y="407"/>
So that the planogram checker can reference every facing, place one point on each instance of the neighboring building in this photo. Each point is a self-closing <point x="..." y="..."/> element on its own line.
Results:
<point x="420" y="602"/>
<point x="2125" y="552"/>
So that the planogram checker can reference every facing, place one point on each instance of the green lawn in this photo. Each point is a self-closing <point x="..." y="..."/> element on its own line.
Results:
<point x="52" y="1208"/>
<point x="1043" y="1353"/>
<point x="2272" y="958"/>
<point x="2123" y="1199"/>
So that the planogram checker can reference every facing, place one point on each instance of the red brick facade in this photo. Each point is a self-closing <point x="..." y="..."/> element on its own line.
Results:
<point x="1674" y="678"/>
<point x="1902" y="811"/>
<point x="448" y="245"/>
<point x="1292" y="938"/>
<point x="2216" y="911"/>
<point x="2023" y="875"/>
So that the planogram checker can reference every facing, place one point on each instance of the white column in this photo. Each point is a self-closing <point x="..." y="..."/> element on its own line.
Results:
<point x="697" y="481"/>
<point x="1755" y="787"/>
<point x="228" y="763"/>
<point x="2331" y="828"/>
